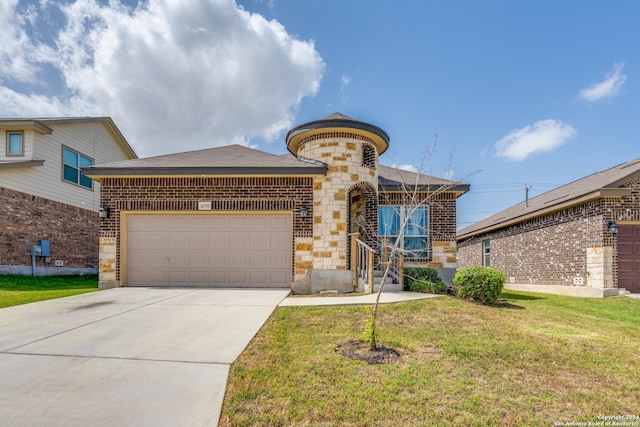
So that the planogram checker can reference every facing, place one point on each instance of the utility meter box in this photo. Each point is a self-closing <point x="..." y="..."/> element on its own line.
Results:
<point x="36" y="250"/>
<point x="45" y="251"/>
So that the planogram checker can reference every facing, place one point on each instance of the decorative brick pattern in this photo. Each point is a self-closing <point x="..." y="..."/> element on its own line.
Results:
<point x="226" y="194"/>
<point x="25" y="219"/>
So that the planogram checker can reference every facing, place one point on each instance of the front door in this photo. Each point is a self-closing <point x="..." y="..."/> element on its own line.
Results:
<point x="629" y="257"/>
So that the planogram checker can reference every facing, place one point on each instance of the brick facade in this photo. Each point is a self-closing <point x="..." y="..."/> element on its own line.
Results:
<point x="25" y="219"/>
<point x="570" y="247"/>
<point x="227" y="194"/>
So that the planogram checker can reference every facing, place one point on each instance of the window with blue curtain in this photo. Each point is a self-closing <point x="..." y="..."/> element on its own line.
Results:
<point x="71" y="164"/>
<point x="415" y="238"/>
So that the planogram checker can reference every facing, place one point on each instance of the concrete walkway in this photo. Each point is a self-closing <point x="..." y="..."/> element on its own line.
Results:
<point x="127" y="356"/>
<point x="385" y="297"/>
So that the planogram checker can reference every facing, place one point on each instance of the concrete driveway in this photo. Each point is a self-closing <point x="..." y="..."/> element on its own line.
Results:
<point x="127" y="356"/>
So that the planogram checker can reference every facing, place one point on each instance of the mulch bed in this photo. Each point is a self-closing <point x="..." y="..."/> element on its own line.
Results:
<point x="358" y="350"/>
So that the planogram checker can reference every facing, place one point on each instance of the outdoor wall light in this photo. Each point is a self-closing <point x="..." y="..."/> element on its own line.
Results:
<point x="303" y="211"/>
<point x="613" y="228"/>
<point x="104" y="211"/>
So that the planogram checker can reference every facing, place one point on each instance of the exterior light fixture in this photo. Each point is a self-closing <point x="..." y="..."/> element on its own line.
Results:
<point x="104" y="211"/>
<point x="613" y="228"/>
<point x="303" y="211"/>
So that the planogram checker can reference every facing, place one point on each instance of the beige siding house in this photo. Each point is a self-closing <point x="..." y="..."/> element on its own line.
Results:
<point x="44" y="195"/>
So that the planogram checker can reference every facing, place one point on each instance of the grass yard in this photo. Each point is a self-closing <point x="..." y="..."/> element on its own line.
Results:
<point x="16" y="290"/>
<point x="539" y="360"/>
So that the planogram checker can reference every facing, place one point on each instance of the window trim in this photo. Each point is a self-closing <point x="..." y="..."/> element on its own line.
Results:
<point x="486" y="253"/>
<point x="400" y="212"/>
<point x="78" y="168"/>
<point x="7" y="139"/>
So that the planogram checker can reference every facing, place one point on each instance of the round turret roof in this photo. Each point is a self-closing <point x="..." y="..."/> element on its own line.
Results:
<point x="337" y="122"/>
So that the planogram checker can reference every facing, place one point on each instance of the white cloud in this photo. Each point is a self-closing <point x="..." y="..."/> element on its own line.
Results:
<point x="449" y="174"/>
<point x="175" y="75"/>
<point x="410" y="168"/>
<point x="608" y="88"/>
<point x="344" y="82"/>
<point x="544" y="135"/>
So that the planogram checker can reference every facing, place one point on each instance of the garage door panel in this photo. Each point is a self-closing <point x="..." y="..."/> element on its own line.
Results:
<point x="177" y="259"/>
<point x="199" y="259"/>
<point x="260" y="241"/>
<point x="239" y="241"/>
<point x="238" y="278"/>
<point x="178" y="278"/>
<point x="199" y="241"/>
<point x="280" y="223"/>
<point x="257" y="223"/>
<point x="197" y="278"/>
<point x="239" y="260"/>
<point x="279" y="276"/>
<point x="209" y="250"/>
<point x="238" y="223"/>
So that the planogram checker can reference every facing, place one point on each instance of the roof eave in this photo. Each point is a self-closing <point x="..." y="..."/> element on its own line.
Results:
<point x="458" y="189"/>
<point x="594" y="195"/>
<point x="98" y="172"/>
<point x="378" y="135"/>
<point x="36" y="125"/>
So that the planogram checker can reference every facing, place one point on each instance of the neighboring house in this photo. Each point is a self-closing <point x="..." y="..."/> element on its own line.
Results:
<point x="44" y="196"/>
<point x="580" y="239"/>
<point x="235" y="216"/>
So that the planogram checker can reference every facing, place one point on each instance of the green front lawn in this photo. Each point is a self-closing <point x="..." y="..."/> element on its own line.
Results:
<point x="15" y="290"/>
<point x="538" y="360"/>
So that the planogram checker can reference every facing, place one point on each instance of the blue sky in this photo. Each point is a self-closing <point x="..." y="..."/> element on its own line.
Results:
<point x="518" y="92"/>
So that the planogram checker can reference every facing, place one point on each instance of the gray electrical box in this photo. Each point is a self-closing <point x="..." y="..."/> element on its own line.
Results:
<point x="36" y="250"/>
<point x="44" y="244"/>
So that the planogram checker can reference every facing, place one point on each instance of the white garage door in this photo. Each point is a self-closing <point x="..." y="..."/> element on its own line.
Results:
<point x="252" y="250"/>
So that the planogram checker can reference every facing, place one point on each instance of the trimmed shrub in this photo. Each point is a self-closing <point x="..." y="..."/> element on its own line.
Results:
<point x="425" y="280"/>
<point x="479" y="284"/>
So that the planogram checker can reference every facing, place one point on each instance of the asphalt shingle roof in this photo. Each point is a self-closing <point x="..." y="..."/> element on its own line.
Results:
<point x="218" y="160"/>
<point x="600" y="184"/>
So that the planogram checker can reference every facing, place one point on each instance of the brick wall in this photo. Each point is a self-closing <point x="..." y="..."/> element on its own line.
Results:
<point x="550" y="250"/>
<point x="225" y="193"/>
<point x="25" y="219"/>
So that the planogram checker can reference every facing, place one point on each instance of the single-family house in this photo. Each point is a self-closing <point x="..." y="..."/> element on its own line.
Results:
<point x="45" y="200"/>
<point x="235" y="216"/>
<point x="579" y="239"/>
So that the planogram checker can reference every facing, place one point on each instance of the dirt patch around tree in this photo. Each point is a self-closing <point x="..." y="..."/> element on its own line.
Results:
<point x="358" y="350"/>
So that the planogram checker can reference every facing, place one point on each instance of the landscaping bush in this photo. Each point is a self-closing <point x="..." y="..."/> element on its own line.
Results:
<point x="426" y="280"/>
<point x="479" y="284"/>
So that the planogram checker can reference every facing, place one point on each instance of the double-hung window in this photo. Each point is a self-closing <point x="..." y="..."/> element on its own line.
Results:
<point x="486" y="253"/>
<point x="15" y="143"/>
<point x="72" y="162"/>
<point x="414" y="238"/>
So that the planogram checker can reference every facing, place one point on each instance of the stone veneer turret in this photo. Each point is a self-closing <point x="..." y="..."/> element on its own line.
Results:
<point x="350" y="149"/>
